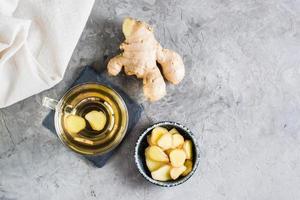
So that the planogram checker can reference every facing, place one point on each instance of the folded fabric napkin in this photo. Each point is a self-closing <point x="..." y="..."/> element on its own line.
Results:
<point x="134" y="109"/>
<point x="37" y="39"/>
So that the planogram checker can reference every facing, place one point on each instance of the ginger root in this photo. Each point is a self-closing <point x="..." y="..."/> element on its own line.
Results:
<point x="141" y="51"/>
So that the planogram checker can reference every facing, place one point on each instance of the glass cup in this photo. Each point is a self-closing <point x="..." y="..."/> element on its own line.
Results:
<point x="82" y="99"/>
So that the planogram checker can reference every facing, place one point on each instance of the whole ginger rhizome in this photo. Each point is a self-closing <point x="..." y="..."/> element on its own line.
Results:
<point x="141" y="51"/>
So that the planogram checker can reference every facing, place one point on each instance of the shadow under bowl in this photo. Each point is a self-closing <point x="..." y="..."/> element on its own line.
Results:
<point x="142" y="144"/>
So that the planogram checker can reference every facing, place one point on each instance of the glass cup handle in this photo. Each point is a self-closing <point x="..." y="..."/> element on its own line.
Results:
<point x="50" y="103"/>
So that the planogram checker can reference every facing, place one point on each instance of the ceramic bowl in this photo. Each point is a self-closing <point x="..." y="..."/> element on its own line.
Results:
<point x="142" y="144"/>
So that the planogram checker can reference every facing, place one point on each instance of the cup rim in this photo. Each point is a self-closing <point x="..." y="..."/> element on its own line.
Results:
<point x="141" y="168"/>
<point x="59" y="104"/>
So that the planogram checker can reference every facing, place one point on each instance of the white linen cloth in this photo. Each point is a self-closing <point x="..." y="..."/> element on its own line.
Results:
<point x="37" y="39"/>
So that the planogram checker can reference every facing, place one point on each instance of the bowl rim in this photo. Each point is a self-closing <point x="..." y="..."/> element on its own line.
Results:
<point x="141" y="169"/>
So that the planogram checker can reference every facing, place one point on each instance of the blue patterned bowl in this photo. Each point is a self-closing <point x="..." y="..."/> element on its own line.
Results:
<point x="142" y="144"/>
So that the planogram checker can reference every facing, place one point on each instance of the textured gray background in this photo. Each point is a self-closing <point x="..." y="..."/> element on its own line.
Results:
<point x="241" y="97"/>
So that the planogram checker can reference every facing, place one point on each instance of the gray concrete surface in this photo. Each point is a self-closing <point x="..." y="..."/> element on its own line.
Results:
<point x="241" y="97"/>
